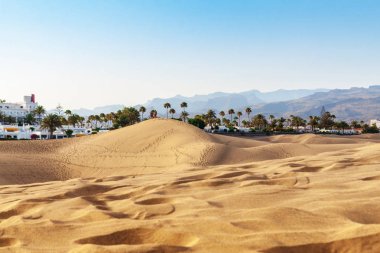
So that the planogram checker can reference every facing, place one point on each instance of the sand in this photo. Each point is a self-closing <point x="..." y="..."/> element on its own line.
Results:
<point x="165" y="186"/>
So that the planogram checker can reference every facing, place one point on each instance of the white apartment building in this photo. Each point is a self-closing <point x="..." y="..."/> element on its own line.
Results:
<point x="19" y="110"/>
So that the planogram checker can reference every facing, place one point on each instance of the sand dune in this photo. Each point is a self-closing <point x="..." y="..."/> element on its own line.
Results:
<point x="165" y="186"/>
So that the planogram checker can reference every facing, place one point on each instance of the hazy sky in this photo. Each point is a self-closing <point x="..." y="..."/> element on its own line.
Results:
<point x="90" y="53"/>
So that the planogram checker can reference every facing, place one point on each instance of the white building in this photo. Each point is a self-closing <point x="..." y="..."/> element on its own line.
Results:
<point x="19" y="110"/>
<point x="28" y="132"/>
<point x="15" y="132"/>
<point x="375" y="121"/>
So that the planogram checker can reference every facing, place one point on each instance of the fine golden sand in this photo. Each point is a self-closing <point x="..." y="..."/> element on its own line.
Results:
<point x="165" y="186"/>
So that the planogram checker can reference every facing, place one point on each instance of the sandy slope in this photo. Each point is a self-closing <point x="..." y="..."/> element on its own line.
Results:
<point x="164" y="186"/>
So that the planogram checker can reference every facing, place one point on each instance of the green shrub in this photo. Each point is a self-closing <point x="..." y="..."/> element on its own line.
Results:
<point x="69" y="133"/>
<point x="197" y="122"/>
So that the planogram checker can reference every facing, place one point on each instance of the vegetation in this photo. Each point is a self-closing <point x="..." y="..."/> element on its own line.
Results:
<point x="231" y="112"/>
<point x="370" y="129"/>
<point x="222" y="114"/>
<point x="167" y="106"/>
<point x="239" y="114"/>
<point x="184" y="116"/>
<point x="51" y="122"/>
<point x="327" y="120"/>
<point x="342" y="125"/>
<point x="314" y="122"/>
<point x="30" y="119"/>
<point x="172" y="112"/>
<point x="297" y="122"/>
<point x="142" y="110"/>
<point x="39" y="112"/>
<point x="74" y="120"/>
<point x="127" y="116"/>
<point x="183" y="106"/>
<point x="198" y="122"/>
<point x="259" y="121"/>
<point x="153" y="114"/>
<point x="248" y="110"/>
<point x="69" y="133"/>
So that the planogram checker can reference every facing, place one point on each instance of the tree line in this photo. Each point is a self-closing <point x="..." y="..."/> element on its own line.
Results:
<point x="229" y="118"/>
<point x="259" y="122"/>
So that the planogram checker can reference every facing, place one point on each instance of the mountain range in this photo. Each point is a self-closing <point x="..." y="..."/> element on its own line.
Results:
<point x="201" y="103"/>
<point x="222" y="100"/>
<point x="346" y="104"/>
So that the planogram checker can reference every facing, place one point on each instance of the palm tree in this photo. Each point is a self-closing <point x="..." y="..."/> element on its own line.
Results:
<point x="184" y="116"/>
<point x="239" y="114"/>
<point x="281" y="122"/>
<point x="210" y="117"/>
<point x="109" y="118"/>
<point x="74" y="119"/>
<point x="39" y="111"/>
<point x="226" y="122"/>
<point x="354" y="124"/>
<point x="167" y="106"/>
<point x="90" y="119"/>
<point x="231" y="112"/>
<point x="97" y="119"/>
<point x="248" y="110"/>
<point x="81" y="120"/>
<point x="341" y="125"/>
<point x="153" y="114"/>
<point x="30" y="119"/>
<point x="313" y="122"/>
<point x="51" y="122"/>
<point x="297" y="121"/>
<point x="271" y="117"/>
<point x="259" y="121"/>
<point x="2" y="117"/>
<point x="222" y="114"/>
<point x="68" y="113"/>
<point x="172" y="112"/>
<point x="142" y="110"/>
<point x="183" y="106"/>
<point x="273" y="124"/>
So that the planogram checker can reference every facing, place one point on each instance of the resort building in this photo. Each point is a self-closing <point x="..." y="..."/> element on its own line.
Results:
<point x="19" y="110"/>
<point x="28" y="132"/>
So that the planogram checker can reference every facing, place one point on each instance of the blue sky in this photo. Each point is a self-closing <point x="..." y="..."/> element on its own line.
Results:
<point x="88" y="53"/>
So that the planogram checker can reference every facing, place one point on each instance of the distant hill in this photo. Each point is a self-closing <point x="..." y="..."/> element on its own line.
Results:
<point x="216" y="100"/>
<point x="98" y="110"/>
<point x="346" y="104"/>
<point x="222" y="100"/>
